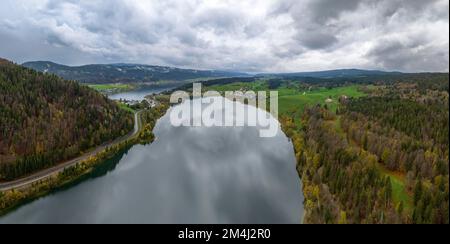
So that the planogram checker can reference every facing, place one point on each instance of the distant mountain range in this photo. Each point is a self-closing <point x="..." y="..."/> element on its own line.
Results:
<point x="131" y="73"/>
<point x="339" y="73"/>
<point x="126" y="73"/>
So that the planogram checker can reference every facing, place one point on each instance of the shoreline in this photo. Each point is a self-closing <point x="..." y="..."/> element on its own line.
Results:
<point x="48" y="186"/>
<point x="14" y="198"/>
<point x="291" y="138"/>
<point x="42" y="174"/>
<point x="74" y="174"/>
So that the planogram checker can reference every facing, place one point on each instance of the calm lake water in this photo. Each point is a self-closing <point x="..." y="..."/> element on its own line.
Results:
<point x="140" y="93"/>
<point x="189" y="175"/>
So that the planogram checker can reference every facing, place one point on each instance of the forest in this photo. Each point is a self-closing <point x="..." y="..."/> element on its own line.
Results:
<point x="45" y="120"/>
<point x="377" y="154"/>
<point x="380" y="158"/>
<point x="422" y="81"/>
<point x="148" y="117"/>
<point x="409" y="138"/>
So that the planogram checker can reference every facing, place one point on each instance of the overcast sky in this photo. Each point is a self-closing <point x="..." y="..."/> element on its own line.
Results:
<point x="243" y="35"/>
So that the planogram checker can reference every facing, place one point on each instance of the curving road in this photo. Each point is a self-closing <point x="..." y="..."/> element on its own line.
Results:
<point x="20" y="183"/>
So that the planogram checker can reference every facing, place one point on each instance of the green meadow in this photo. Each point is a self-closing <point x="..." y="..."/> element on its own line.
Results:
<point x="253" y="86"/>
<point x="399" y="192"/>
<point x="125" y="107"/>
<point x="293" y="100"/>
<point x="109" y="87"/>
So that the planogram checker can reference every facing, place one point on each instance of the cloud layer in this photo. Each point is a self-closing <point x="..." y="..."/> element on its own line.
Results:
<point x="250" y="35"/>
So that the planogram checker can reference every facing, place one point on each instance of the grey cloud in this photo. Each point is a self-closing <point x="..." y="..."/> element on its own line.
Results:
<point x="409" y="8"/>
<point x="8" y="25"/>
<point x="286" y="35"/>
<point x="316" y="39"/>
<point x="34" y="46"/>
<point x="55" y="40"/>
<point x="311" y="20"/>
<point x="220" y="20"/>
<point x="323" y="10"/>
<point x="288" y="51"/>
<point x="255" y="29"/>
<point x="411" y="55"/>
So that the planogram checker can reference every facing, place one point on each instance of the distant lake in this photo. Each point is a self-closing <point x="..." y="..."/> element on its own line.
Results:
<point x="140" y="93"/>
<point x="189" y="175"/>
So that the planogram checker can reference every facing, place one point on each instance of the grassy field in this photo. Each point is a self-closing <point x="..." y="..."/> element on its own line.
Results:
<point x="294" y="101"/>
<point x="291" y="100"/>
<point x="125" y="107"/>
<point x="399" y="192"/>
<point x="110" y="87"/>
<point x="253" y="86"/>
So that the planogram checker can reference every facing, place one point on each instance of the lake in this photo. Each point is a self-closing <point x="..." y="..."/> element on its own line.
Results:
<point x="140" y="93"/>
<point x="189" y="175"/>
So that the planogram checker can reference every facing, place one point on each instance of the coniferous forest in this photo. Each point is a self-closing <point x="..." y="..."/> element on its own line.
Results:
<point x="380" y="158"/>
<point x="45" y="120"/>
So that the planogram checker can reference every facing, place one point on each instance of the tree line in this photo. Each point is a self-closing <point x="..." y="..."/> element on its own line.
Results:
<point x="347" y="160"/>
<point x="45" y="120"/>
<point x="407" y="137"/>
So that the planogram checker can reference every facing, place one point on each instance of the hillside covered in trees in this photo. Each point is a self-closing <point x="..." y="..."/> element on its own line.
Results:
<point x="380" y="158"/>
<point x="125" y="73"/>
<point x="366" y="153"/>
<point x="45" y="120"/>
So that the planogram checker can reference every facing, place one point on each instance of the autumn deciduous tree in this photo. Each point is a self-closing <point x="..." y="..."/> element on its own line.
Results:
<point x="45" y="120"/>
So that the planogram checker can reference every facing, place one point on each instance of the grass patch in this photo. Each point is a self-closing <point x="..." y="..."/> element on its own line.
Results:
<point x="110" y="87"/>
<point x="125" y="107"/>
<point x="253" y="86"/>
<point x="294" y="102"/>
<point x="399" y="192"/>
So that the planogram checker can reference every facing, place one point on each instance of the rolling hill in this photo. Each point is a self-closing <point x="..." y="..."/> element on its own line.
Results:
<point x="45" y="120"/>
<point x="125" y="73"/>
<point x="338" y="73"/>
